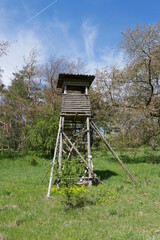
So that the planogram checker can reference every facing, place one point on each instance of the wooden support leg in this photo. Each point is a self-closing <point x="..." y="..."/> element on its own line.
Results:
<point x="54" y="158"/>
<point x="95" y="128"/>
<point x="60" y="149"/>
<point x="89" y="151"/>
<point x="61" y="144"/>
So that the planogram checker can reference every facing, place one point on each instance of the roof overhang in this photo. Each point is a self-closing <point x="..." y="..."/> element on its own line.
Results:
<point x="83" y="80"/>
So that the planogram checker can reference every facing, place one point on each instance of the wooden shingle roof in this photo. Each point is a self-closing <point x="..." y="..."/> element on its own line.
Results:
<point x="81" y="80"/>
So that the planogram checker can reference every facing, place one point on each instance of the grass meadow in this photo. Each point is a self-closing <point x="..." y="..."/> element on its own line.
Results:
<point x="117" y="210"/>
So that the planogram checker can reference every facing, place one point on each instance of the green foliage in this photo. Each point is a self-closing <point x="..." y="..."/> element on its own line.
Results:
<point x="18" y="88"/>
<point x="41" y="136"/>
<point x="33" y="161"/>
<point x="71" y="196"/>
<point x="103" y="194"/>
<point x="14" y="114"/>
<point x="29" y="109"/>
<point x="72" y="170"/>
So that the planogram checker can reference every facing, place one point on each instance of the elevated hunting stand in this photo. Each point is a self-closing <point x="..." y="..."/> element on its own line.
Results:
<point x="75" y="125"/>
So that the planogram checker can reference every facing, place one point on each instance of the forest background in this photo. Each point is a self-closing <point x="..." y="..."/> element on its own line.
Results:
<point x="125" y="101"/>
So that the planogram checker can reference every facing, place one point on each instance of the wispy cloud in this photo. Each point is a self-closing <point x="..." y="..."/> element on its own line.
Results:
<point x="63" y="27"/>
<point x="57" y="37"/>
<point x="89" y="33"/>
<point x="17" y="50"/>
<point x="106" y="57"/>
<point x="62" y="40"/>
<point x="112" y="56"/>
<point x="21" y="42"/>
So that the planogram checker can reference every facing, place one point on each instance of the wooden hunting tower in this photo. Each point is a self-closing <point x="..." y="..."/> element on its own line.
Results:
<point x="74" y="134"/>
<point x="74" y="125"/>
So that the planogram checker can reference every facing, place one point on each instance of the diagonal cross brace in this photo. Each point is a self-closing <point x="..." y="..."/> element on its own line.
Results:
<point x="95" y="128"/>
<point x="76" y="150"/>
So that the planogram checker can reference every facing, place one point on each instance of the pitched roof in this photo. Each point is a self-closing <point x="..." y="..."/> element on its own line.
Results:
<point x="74" y="78"/>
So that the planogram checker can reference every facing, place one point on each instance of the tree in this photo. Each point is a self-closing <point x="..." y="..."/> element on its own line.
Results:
<point x="41" y="136"/>
<point x="131" y="96"/>
<point x="3" y="51"/>
<point x="142" y="46"/>
<point x="3" y="47"/>
<point x="31" y="105"/>
<point x="141" y="79"/>
<point x="19" y="103"/>
<point x="109" y="94"/>
<point x="3" y="126"/>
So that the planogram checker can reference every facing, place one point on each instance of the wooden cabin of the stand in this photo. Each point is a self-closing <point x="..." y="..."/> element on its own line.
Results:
<point x="75" y="100"/>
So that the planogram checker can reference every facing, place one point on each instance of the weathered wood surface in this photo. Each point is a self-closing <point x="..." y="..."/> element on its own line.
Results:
<point x="54" y="158"/>
<point x="76" y="83"/>
<point x="75" y="103"/>
<point x="89" y="149"/>
<point x="61" y="144"/>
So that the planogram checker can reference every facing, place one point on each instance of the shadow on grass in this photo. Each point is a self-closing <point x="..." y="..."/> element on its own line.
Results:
<point x="134" y="157"/>
<point x="105" y="174"/>
<point x="140" y="159"/>
<point x="14" y="155"/>
<point x="81" y="203"/>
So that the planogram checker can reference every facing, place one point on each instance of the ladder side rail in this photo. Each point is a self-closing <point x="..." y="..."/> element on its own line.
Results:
<point x="54" y="158"/>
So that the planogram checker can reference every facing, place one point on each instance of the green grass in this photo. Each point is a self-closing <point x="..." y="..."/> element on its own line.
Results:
<point x="25" y="213"/>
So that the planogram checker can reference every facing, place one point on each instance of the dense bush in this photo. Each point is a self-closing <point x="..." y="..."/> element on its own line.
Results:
<point x="41" y="137"/>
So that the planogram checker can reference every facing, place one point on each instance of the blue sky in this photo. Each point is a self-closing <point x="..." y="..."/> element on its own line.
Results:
<point x="89" y="29"/>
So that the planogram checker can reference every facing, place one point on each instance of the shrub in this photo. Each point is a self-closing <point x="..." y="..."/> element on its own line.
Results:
<point x="33" y="161"/>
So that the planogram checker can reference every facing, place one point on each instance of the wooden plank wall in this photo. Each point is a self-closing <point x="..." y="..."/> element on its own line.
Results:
<point x="75" y="103"/>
